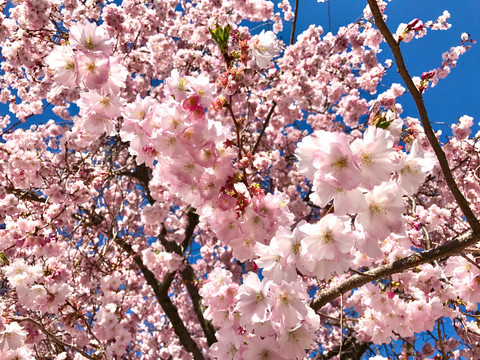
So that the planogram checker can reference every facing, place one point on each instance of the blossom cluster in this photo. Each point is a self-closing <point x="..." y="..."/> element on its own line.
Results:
<point x="215" y="186"/>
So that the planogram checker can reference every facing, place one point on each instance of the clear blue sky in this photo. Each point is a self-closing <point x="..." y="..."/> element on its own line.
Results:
<point x="454" y="96"/>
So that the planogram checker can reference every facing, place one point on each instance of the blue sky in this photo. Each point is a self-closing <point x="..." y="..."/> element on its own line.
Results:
<point x="454" y="96"/>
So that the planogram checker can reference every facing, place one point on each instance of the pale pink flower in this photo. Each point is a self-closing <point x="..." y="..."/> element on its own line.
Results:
<point x="177" y="85"/>
<point x="272" y="263"/>
<point x="328" y="237"/>
<point x="378" y="158"/>
<point x="12" y="337"/>
<point x="62" y="61"/>
<point x="228" y="345"/>
<point x="265" y="47"/>
<point x="22" y="353"/>
<point x="207" y="155"/>
<point x="330" y="155"/>
<point x="289" y="244"/>
<point x="292" y="344"/>
<point x="243" y="244"/>
<point x="205" y="90"/>
<point x="93" y="69"/>
<point x="98" y="124"/>
<point x="344" y="201"/>
<point x="117" y="76"/>
<point x="289" y="307"/>
<point x="326" y="246"/>
<point x="16" y="271"/>
<point x="168" y="116"/>
<point x="104" y="104"/>
<point x="262" y="349"/>
<point x="139" y="110"/>
<point x="254" y="302"/>
<point x="384" y="213"/>
<point x="87" y="37"/>
<point x="415" y="167"/>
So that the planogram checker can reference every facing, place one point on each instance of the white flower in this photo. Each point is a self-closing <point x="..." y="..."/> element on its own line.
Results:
<point x="378" y="158"/>
<point x="384" y="213"/>
<point x="265" y="47"/>
<point x="416" y="166"/>
<point x="62" y="61"/>
<point x="12" y="337"/>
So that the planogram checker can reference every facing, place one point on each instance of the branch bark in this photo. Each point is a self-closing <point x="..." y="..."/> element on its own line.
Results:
<point x="55" y="339"/>
<point x="453" y="247"/>
<point x="264" y="127"/>
<point x="188" y="275"/>
<point x="294" y="24"/>
<point x="422" y="111"/>
<point x="161" y="292"/>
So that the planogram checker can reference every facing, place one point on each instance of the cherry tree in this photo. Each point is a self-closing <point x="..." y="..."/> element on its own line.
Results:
<point x="206" y="191"/>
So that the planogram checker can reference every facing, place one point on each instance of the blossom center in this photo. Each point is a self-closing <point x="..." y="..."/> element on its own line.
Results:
<point x="232" y="350"/>
<point x="91" y="67"/>
<point x="259" y="298"/>
<point x="366" y="159"/>
<point x="377" y="209"/>
<point x="340" y="163"/>
<point x="326" y="237"/>
<point x="89" y="44"/>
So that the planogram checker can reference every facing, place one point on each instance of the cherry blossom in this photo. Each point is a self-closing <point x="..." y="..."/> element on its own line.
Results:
<point x="202" y="191"/>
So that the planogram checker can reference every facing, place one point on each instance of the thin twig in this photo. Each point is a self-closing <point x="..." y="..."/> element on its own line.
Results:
<point x="462" y="254"/>
<point x="264" y="127"/>
<point x="294" y="23"/>
<point x="53" y="337"/>
<point x="163" y="298"/>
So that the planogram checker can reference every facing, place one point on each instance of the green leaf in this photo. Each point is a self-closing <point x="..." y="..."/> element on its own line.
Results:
<point x="3" y="258"/>
<point x="220" y="36"/>
<point x="380" y="121"/>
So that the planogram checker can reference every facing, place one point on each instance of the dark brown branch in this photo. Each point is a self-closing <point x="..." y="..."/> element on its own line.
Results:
<point x="265" y="124"/>
<point x="237" y="127"/>
<point x="27" y="194"/>
<point x="161" y="292"/>
<point x="422" y="111"/>
<point x="142" y="174"/>
<point x="294" y="24"/>
<point x="453" y="247"/>
<point x="189" y="279"/>
<point x="188" y="275"/>
<point x="192" y="224"/>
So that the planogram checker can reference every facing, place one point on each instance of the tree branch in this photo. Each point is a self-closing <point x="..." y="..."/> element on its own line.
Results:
<point x="55" y="339"/>
<point x="453" y="247"/>
<point x="294" y="24"/>
<point x="188" y="275"/>
<point x="265" y="124"/>
<point x="161" y="292"/>
<point x="422" y="111"/>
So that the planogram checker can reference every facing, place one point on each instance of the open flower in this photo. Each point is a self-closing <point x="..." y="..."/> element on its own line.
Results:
<point x="265" y="47"/>
<point x="384" y="213"/>
<point x="86" y="36"/>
